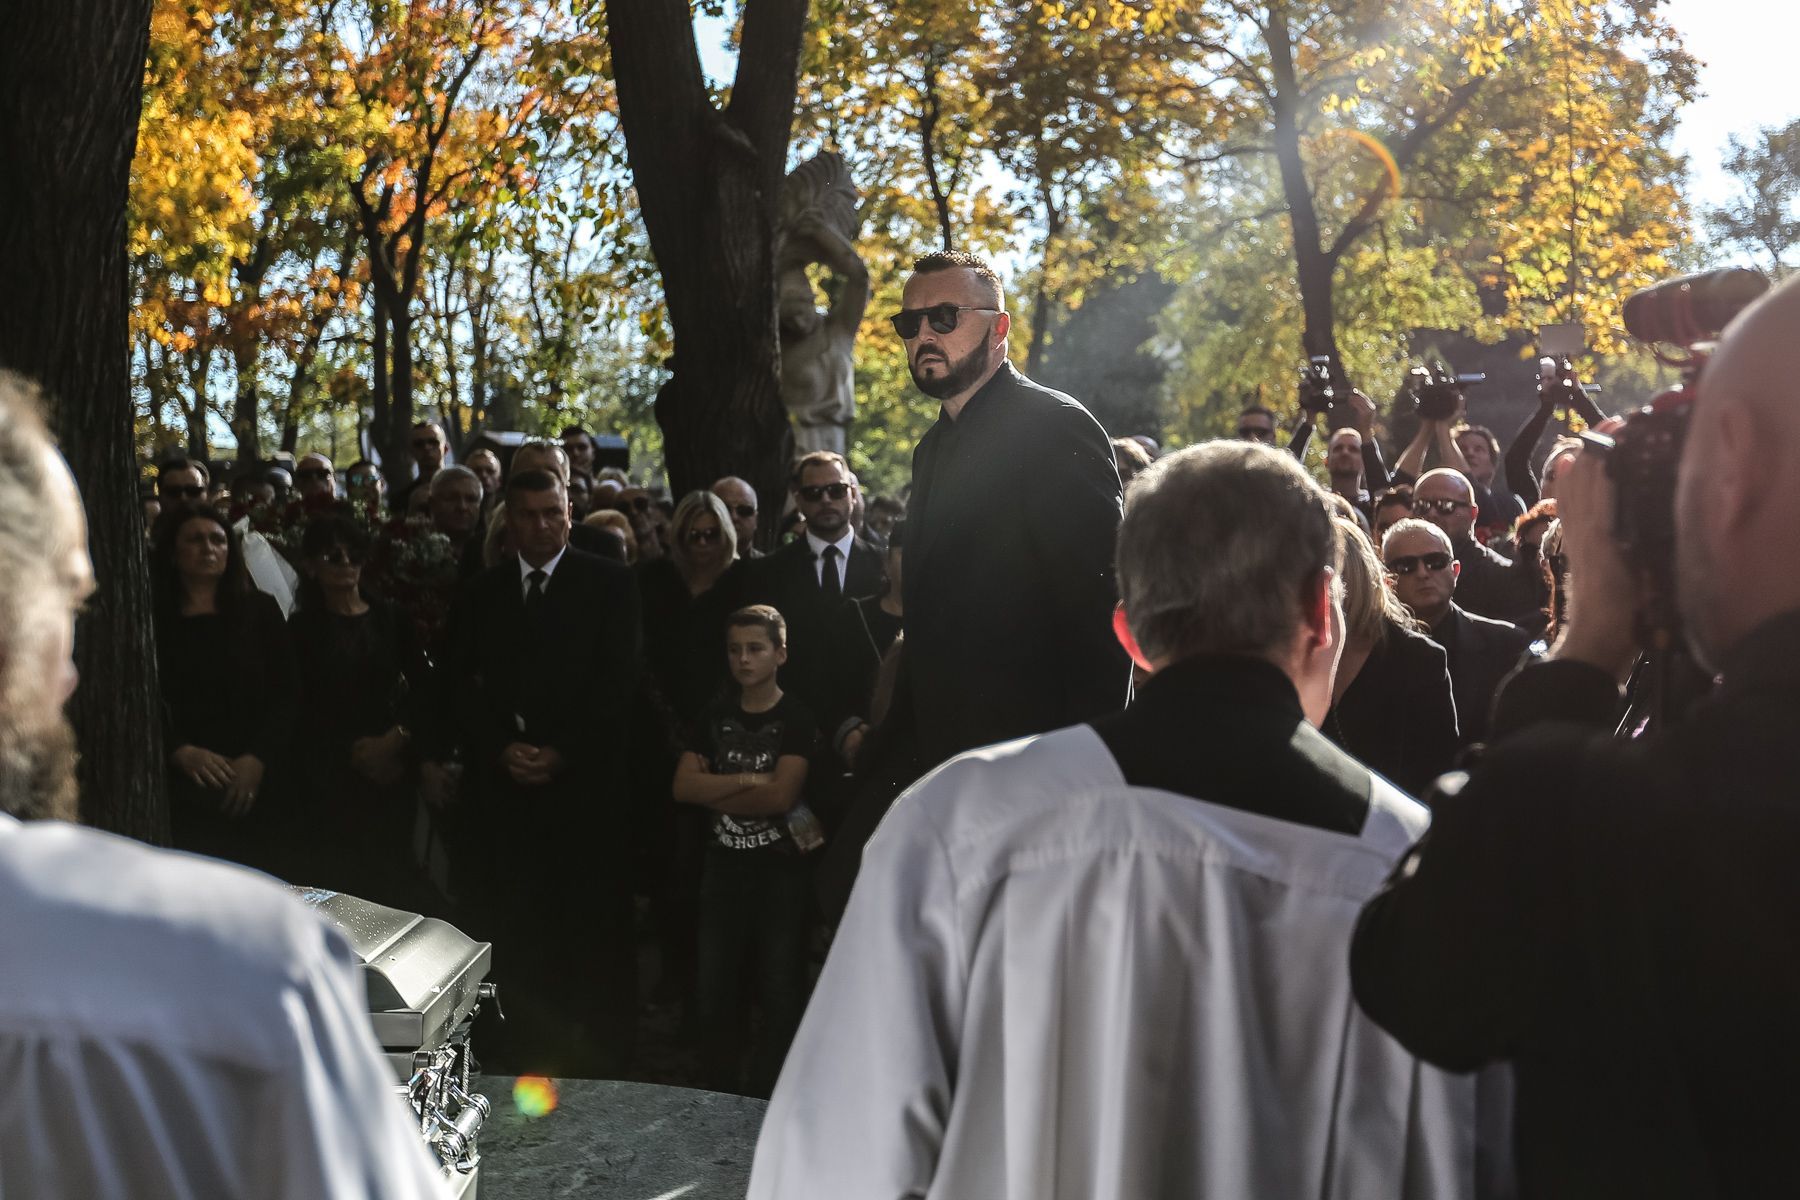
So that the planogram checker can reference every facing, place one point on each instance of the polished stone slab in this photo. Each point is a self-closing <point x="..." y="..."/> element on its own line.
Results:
<point x="618" y="1141"/>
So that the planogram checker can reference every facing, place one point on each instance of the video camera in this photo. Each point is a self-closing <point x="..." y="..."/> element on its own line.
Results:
<point x="1437" y="391"/>
<point x="1317" y="395"/>
<point x="1687" y="314"/>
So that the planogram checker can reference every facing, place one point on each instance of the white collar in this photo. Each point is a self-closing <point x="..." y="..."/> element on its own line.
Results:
<point x="843" y="544"/>
<point x="549" y="568"/>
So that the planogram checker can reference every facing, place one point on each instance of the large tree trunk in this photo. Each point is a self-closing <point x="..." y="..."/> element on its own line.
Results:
<point x="1315" y="267"/>
<point x="708" y="183"/>
<point x="246" y="404"/>
<point x="71" y="86"/>
<point x="396" y="448"/>
<point x="379" y="414"/>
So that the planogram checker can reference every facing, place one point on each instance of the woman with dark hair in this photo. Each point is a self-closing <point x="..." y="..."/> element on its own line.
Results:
<point x="358" y="668"/>
<point x="1391" y="702"/>
<point x="227" y="671"/>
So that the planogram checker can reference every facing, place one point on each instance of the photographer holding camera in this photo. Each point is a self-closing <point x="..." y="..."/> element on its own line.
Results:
<point x="1619" y="919"/>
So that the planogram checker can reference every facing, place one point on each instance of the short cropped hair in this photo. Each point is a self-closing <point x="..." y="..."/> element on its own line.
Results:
<point x="1482" y="432"/>
<point x="820" y="458"/>
<point x="958" y="260"/>
<point x="763" y="617"/>
<point x="1415" y="525"/>
<point x="534" y="481"/>
<point x="1218" y="545"/>
<point x="183" y="463"/>
<point x="447" y="475"/>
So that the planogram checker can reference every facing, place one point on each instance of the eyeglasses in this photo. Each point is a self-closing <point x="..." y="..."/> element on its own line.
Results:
<point x="338" y="556"/>
<point x="1442" y="507"/>
<point x="312" y="473"/>
<point x="703" y="537"/>
<point x="943" y="318"/>
<point x="359" y="479"/>
<point x="191" y="492"/>
<point x="1406" y="564"/>
<point x="814" y="493"/>
<point x="742" y="511"/>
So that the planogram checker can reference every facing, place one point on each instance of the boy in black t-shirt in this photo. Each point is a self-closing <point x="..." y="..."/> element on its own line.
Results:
<point x="749" y="767"/>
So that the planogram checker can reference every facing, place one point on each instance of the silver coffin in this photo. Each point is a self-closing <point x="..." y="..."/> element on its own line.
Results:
<point x="426" y="981"/>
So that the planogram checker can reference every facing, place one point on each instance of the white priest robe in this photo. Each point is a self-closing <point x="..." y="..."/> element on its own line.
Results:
<point x="1050" y="985"/>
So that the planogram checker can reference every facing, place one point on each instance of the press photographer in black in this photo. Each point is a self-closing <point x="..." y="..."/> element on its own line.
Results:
<point x="1620" y="918"/>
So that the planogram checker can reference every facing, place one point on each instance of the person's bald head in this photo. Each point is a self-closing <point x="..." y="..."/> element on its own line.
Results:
<point x="1738" y="503"/>
<point x="1446" y="498"/>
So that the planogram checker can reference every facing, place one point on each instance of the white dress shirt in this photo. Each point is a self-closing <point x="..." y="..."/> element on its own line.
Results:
<point x="843" y="544"/>
<point x="172" y="1026"/>
<point x="1051" y="985"/>
<point x="549" y="569"/>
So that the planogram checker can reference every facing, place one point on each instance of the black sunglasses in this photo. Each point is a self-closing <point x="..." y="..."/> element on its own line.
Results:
<point x="743" y="511"/>
<point x="702" y="537"/>
<point x="191" y="492"/>
<point x="312" y="473"/>
<point x="421" y="443"/>
<point x="1406" y="564"/>
<point x="943" y="318"/>
<point x="1255" y="433"/>
<point x="1446" y="507"/>
<point x="814" y="493"/>
<point x="338" y="556"/>
<point x="358" y="479"/>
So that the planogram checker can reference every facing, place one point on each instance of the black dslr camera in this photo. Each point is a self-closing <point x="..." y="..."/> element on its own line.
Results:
<point x="1317" y="395"/>
<point x="1437" y="392"/>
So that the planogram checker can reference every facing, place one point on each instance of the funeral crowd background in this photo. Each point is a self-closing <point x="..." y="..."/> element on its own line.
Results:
<point x="549" y="464"/>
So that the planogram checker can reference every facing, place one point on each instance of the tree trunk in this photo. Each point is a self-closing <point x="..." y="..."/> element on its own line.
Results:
<point x="1315" y="268"/>
<point x="396" y="450"/>
<point x="708" y="183"/>
<point x="199" y="379"/>
<point x="246" y="404"/>
<point x="379" y="409"/>
<point x="71" y="87"/>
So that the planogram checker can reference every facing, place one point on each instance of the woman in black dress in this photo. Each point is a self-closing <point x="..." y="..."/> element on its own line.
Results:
<point x="227" y="675"/>
<point x="1391" y="706"/>
<point x="359" y="669"/>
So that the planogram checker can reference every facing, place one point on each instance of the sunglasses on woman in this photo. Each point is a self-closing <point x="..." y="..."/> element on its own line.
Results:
<point x="703" y="537"/>
<point x="943" y="318"/>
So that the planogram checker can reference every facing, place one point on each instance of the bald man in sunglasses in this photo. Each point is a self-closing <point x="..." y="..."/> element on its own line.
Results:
<point x="1015" y="504"/>
<point x="1426" y="573"/>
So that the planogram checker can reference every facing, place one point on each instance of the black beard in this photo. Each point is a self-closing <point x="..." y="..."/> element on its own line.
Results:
<point x="958" y="378"/>
<point x="37" y="772"/>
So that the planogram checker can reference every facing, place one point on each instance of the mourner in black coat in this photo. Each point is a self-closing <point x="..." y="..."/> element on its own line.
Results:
<point x="1009" y="587"/>
<point x="539" y="674"/>
<point x="794" y="582"/>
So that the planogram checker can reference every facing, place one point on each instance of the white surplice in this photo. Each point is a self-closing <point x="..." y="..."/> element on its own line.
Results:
<point x="174" y="1027"/>
<point x="1051" y="985"/>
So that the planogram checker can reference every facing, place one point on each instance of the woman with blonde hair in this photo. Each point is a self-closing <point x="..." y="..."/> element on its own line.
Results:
<point x="1391" y="704"/>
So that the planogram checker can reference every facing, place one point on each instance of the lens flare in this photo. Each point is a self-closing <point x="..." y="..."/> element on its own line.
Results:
<point x="1382" y="156"/>
<point x="534" y="1096"/>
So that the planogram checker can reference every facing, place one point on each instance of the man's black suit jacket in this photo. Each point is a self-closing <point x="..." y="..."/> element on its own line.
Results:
<point x="1009" y="571"/>
<point x="561" y="680"/>
<point x="1481" y="653"/>
<point x="788" y="580"/>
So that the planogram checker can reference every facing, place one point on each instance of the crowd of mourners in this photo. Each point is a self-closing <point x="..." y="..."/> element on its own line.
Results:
<point x="326" y="694"/>
<point x="333" y="709"/>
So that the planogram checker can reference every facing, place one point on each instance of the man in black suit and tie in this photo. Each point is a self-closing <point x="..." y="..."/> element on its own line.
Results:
<point x="544" y="651"/>
<point x="1009" y="549"/>
<point x="1482" y="652"/>
<point x="808" y="579"/>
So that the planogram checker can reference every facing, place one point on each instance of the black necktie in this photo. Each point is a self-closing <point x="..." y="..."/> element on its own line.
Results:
<point x="534" y="594"/>
<point x="829" y="585"/>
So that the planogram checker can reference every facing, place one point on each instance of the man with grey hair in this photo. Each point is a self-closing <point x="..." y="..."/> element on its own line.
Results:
<point x="169" y="1025"/>
<point x="1108" y="962"/>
